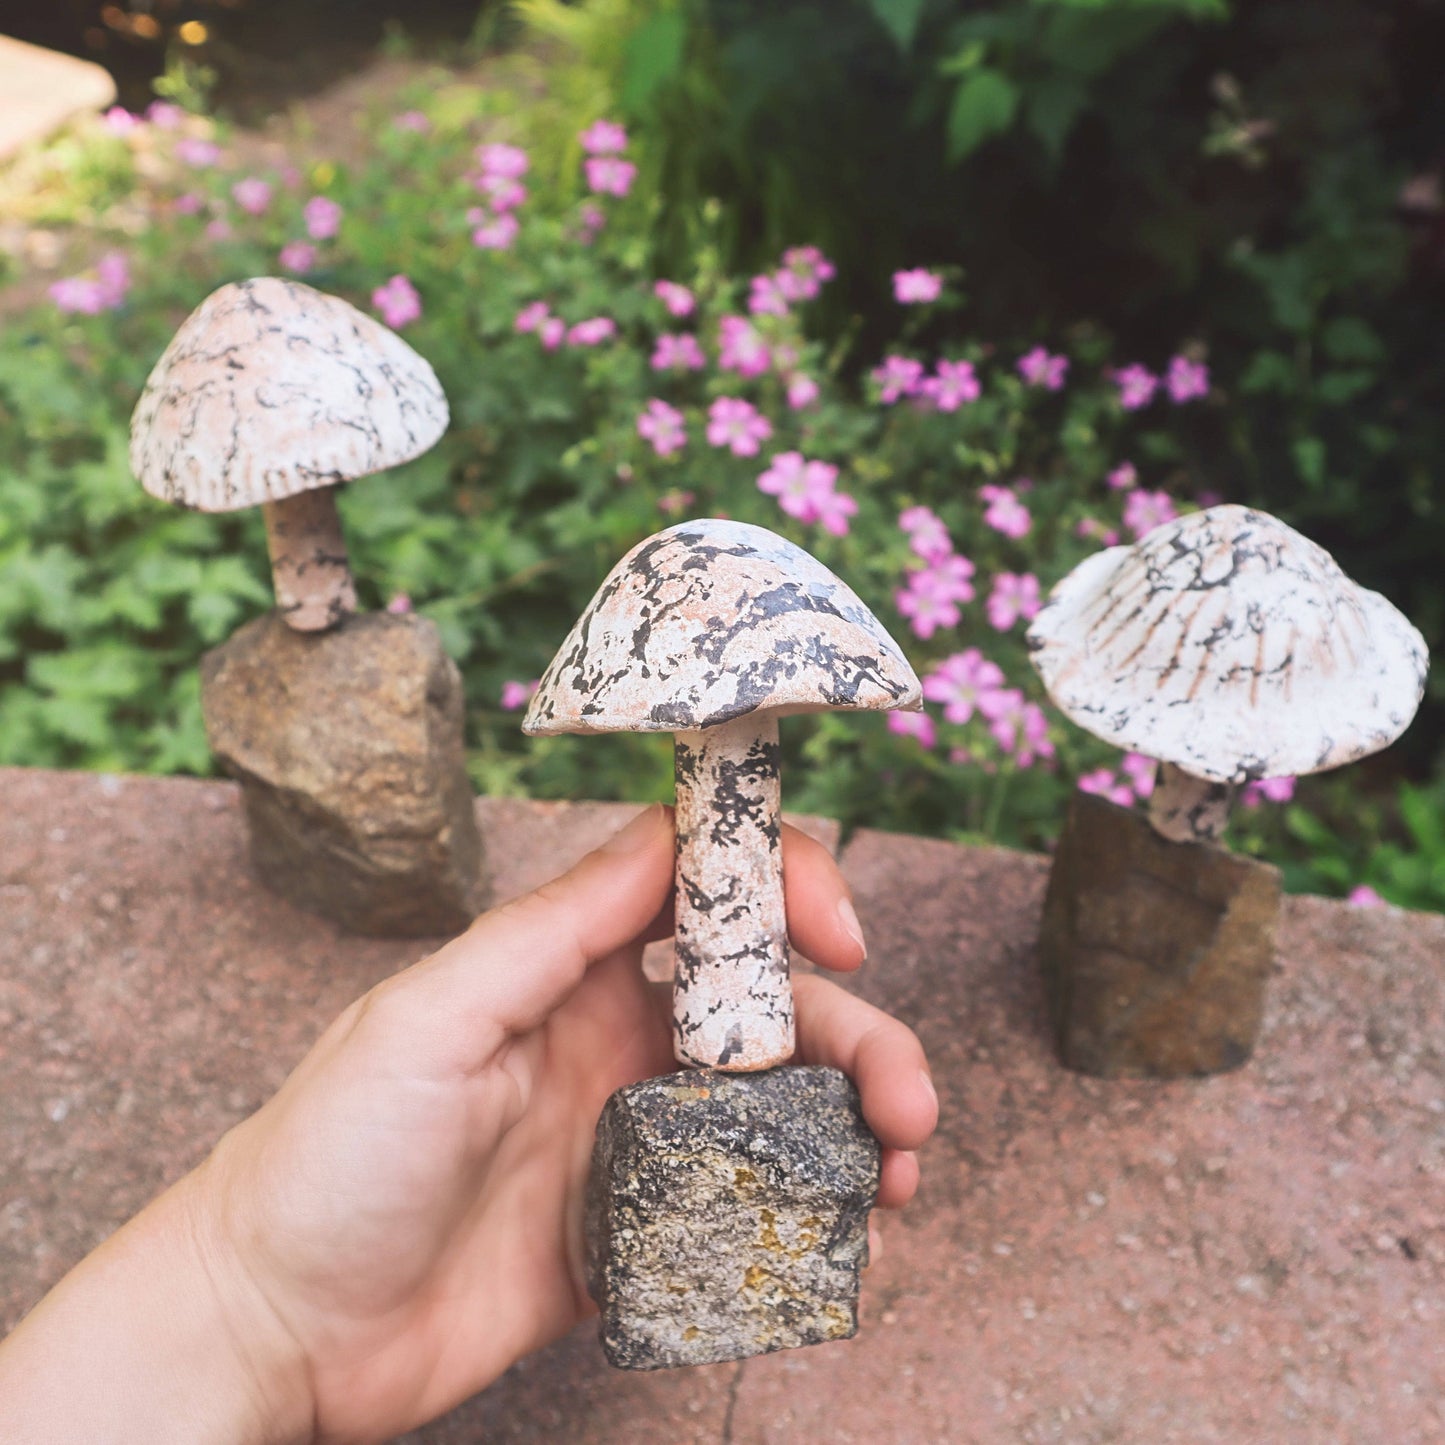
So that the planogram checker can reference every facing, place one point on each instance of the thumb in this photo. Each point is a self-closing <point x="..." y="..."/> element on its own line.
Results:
<point x="518" y="962"/>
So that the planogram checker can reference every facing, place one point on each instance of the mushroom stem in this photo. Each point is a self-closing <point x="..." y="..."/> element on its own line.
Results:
<point x="732" y="1001"/>
<point x="312" y="577"/>
<point x="1186" y="809"/>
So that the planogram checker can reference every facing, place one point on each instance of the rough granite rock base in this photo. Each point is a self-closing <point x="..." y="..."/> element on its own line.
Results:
<point x="1155" y="955"/>
<point x="727" y="1215"/>
<point x="348" y="747"/>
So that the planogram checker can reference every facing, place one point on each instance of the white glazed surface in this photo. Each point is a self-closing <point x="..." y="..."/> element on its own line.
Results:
<point x="271" y="388"/>
<point x="1232" y="646"/>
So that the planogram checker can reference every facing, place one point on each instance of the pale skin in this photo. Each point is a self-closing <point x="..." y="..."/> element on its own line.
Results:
<point x="402" y="1221"/>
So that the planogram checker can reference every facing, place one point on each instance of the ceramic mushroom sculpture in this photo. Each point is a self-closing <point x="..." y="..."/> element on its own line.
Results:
<point x="712" y="630"/>
<point x="343" y="728"/>
<point x="272" y="394"/>
<point x="1230" y="648"/>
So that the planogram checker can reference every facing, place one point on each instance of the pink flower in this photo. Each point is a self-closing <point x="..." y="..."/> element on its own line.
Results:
<point x="926" y="533"/>
<point x="608" y="175"/>
<point x="961" y="683"/>
<point x="531" y="316"/>
<point x="953" y="384"/>
<point x="741" y="348"/>
<point x="1363" y="896"/>
<point x="1136" y="386"/>
<point x="399" y="605"/>
<point x="1143" y="511"/>
<point x="517" y="694"/>
<point x="90" y="295"/>
<point x="509" y="162"/>
<point x="1140" y="772"/>
<point x="1004" y="512"/>
<point x="736" y="424"/>
<point x="950" y="576"/>
<point x="218" y="230"/>
<point x="1122" y="477"/>
<point x="1038" y="368"/>
<point x="662" y="425"/>
<point x="898" y="376"/>
<point x="802" y="391"/>
<point x="253" y="195"/>
<point x="551" y="332"/>
<point x="119" y="121"/>
<point x="1103" y="783"/>
<point x="675" y="501"/>
<point x="496" y="235"/>
<point x="197" y="152"/>
<point x="592" y="332"/>
<point x="603" y="138"/>
<point x="297" y="256"/>
<point x="163" y="115"/>
<point x="188" y="204"/>
<point x="1013" y="596"/>
<point x="678" y="299"/>
<point x="916" y="286"/>
<point x="926" y="611"/>
<point x="914" y="725"/>
<point x="1267" y="790"/>
<point x="677" y="352"/>
<point x="398" y="302"/>
<point x="323" y="218"/>
<point x="1031" y="742"/>
<point x="1186" y="379"/>
<point x="799" y="485"/>
<point x="412" y="120"/>
<point x="767" y="298"/>
<point x="805" y="268"/>
<point x="592" y="218"/>
<point x="502" y="192"/>
<point x="833" y="512"/>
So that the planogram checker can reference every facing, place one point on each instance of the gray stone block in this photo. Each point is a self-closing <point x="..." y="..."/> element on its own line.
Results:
<point x="727" y="1215"/>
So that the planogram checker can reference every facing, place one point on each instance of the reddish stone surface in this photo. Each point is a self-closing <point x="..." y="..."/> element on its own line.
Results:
<point x="1254" y="1257"/>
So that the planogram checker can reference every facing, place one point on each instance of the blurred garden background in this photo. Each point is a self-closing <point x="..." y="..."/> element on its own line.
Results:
<point x="950" y="293"/>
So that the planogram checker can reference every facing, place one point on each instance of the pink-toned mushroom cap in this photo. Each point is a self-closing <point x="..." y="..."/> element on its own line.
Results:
<point x="711" y="620"/>
<point x="271" y="388"/>
<point x="1231" y="646"/>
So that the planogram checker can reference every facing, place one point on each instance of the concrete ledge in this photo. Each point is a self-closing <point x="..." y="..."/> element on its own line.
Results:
<point x="41" y="89"/>
<point x="1257" y="1257"/>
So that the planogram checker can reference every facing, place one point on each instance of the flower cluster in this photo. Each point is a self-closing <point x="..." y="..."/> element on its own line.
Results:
<point x="806" y="490"/>
<point x="104" y="289"/>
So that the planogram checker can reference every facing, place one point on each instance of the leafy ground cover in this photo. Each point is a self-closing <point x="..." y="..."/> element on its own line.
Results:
<point x="950" y="477"/>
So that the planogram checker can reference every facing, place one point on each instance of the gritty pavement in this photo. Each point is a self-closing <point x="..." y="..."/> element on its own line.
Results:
<point x="1257" y="1257"/>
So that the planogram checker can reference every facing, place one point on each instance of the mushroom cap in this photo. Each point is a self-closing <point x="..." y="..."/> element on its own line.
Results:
<point x="271" y="388"/>
<point x="1231" y="646"/>
<point x="710" y="620"/>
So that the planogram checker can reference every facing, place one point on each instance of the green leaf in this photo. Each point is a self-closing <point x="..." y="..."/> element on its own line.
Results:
<point x="653" y="57"/>
<point x="900" y="19"/>
<point x="1309" y="460"/>
<point x="983" y="105"/>
<point x="1269" y="371"/>
<point x="1052" y="107"/>
<point x="1347" y="338"/>
<point x="1335" y="387"/>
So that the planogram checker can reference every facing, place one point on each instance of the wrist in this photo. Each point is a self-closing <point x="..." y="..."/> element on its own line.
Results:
<point x="156" y="1337"/>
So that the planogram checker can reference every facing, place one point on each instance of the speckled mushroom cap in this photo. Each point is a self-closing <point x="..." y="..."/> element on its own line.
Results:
<point x="271" y="388"/>
<point x="1228" y="644"/>
<point x="708" y="621"/>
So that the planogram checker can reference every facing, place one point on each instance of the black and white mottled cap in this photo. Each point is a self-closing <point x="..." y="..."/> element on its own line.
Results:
<point x="1231" y="646"/>
<point x="708" y="621"/>
<point x="271" y="388"/>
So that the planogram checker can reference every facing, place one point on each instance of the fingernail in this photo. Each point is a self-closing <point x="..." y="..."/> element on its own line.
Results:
<point x="848" y="917"/>
<point x="637" y="834"/>
<point x="928" y="1084"/>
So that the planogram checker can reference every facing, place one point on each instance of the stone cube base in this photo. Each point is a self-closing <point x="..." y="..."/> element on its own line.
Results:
<point x="1155" y="954"/>
<point x="727" y="1215"/>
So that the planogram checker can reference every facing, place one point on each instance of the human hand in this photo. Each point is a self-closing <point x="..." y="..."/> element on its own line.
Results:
<point x="403" y="1220"/>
